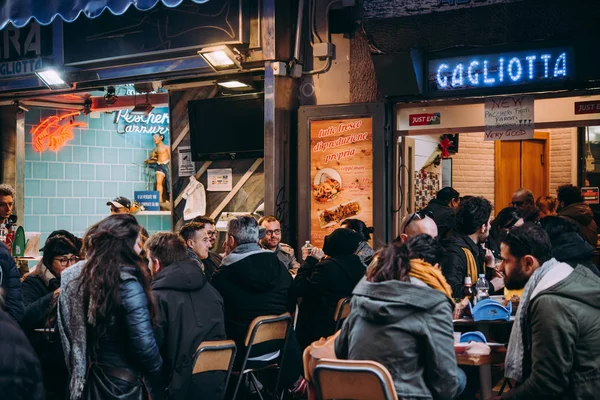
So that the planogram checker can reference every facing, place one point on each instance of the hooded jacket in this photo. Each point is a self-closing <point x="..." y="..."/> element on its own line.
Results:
<point x="570" y="248"/>
<point x="407" y="327"/>
<point x="253" y="282"/>
<point x="562" y="341"/>
<point x="444" y="217"/>
<point x="11" y="283"/>
<point x="190" y="311"/>
<point x="582" y="214"/>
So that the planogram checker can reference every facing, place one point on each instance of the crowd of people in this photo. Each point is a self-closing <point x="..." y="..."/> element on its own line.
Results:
<point x="118" y="314"/>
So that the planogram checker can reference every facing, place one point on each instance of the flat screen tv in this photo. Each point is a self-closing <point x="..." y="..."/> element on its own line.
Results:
<point x="227" y="127"/>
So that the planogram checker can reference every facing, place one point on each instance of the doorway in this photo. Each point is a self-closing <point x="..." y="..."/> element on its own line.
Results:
<point x="522" y="164"/>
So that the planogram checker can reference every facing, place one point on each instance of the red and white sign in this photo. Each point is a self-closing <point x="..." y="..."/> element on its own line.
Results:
<point x="424" y="119"/>
<point x="591" y="195"/>
<point x="587" y="107"/>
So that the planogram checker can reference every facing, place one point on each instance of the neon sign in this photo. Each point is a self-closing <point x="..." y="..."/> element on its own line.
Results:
<point x="52" y="134"/>
<point x="502" y="69"/>
<point x="155" y="122"/>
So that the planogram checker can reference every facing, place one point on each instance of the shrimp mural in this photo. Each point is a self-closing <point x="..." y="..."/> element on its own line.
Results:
<point x="53" y="134"/>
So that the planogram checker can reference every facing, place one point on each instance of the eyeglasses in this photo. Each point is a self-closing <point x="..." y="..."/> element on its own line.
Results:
<point x="67" y="261"/>
<point x="418" y="215"/>
<point x="211" y="233"/>
<point x="517" y="203"/>
<point x="275" y="232"/>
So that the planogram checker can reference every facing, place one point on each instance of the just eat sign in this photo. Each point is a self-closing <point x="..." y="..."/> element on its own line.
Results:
<point x="424" y="119"/>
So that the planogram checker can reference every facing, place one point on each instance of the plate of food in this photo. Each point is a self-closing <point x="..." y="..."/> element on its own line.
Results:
<point x="337" y="214"/>
<point x="327" y="185"/>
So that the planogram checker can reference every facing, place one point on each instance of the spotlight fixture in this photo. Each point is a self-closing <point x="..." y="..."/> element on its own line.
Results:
<point x="20" y="107"/>
<point x="221" y="58"/>
<point x="52" y="79"/>
<point x="110" y="97"/>
<point x="143" y="108"/>
<point x="236" y="85"/>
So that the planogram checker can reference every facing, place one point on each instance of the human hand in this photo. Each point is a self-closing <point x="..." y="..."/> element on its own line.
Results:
<point x="490" y="260"/>
<point x="317" y="253"/>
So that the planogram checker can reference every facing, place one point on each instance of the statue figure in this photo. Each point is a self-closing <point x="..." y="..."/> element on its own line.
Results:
<point x="160" y="161"/>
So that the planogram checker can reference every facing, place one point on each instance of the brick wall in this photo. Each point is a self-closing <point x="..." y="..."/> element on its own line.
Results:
<point x="68" y="189"/>
<point x="473" y="166"/>
<point x="562" y="157"/>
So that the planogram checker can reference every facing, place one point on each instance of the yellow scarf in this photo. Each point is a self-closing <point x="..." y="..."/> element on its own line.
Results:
<point x="430" y="275"/>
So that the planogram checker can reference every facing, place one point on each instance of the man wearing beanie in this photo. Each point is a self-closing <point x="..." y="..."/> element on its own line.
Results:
<point x="323" y="280"/>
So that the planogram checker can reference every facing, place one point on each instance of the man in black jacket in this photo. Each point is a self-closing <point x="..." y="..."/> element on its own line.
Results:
<point x="213" y="262"/>
<point x="190" y="312"/>
<point x="443" y="210"/>
<point x="465" y="255"/>
<point x="254" y="283"/>
<point x="10" y="282"/>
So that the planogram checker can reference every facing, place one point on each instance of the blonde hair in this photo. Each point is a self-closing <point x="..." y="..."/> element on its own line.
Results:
<point x="546" y="204"/>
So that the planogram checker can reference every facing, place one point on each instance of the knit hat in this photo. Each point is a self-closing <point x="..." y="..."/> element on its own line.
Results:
<point x="341" y="242"/>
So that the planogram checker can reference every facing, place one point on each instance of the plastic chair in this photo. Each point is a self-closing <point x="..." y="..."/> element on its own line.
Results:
<point x="353" y="380"/>
<point x="342" y="310"/>
<point x="215" y="356"/>
<point x="261" y="330"/>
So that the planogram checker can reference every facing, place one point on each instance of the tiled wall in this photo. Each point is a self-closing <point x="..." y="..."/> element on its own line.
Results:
<point x="69" y="189"/>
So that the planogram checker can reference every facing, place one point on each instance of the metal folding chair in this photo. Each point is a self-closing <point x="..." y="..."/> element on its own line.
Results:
<point x="215" y="356"/>
<point x="341" y="312"/>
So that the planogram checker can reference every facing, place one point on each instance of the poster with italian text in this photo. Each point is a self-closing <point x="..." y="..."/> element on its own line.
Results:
<point x="341" y="174"/>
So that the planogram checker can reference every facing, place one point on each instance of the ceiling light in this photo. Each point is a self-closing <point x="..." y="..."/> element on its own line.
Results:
<point x="233" y="84"/>
<point x="220" y="58"/>
<point x="52" y="79"/>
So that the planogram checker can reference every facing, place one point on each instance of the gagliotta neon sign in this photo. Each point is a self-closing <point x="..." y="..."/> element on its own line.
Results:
<point x="502" y="69"/>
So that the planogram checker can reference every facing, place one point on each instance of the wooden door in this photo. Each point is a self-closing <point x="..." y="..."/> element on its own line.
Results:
<point x="521" y="164"/>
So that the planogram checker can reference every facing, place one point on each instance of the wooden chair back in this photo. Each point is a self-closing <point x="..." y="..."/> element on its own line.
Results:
<point x="353" y="380"/>
<point x="267" y="328"/>
<point x="342" y="310"/>
<point x="214" y="356"/>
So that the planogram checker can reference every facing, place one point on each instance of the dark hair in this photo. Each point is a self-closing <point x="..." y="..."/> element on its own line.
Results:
<point x="72" y="238"/>
<point x="448" y="194"/>
<point x="204" y="220"/>
<point x="528" y="239"/>
<point x="466" y="197"/>
<point x="472" y="214"/>
<point x="547" y="202"/>
<point x="569" y="194"/>
<point x="109" y="245"/>
<point x="393" y="262"/>
<point x="166" y="247"/>
<point x="188" y="231"/>
<point x="556" y="226"/>
<point x="57" y="245"/>
<point x="358" y="226"/>
<point x="505" y="219"/>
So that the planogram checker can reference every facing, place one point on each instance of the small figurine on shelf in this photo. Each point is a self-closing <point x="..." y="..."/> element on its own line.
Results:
<point x="159" y="161"/>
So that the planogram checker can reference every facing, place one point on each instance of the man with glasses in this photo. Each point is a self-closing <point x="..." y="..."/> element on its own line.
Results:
<point x="213" y="262"/>
<point x="524" y="201"/>
<point x="272" y="241"/>
<point x="415" y="224"/>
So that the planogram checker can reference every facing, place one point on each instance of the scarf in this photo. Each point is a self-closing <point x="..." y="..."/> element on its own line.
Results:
<point x="44" y="273"/>
<point x="242" y="251"/>
<point x="430" y="275"/>
<point x="549" y="274"/>
<point x="72" y="328"/>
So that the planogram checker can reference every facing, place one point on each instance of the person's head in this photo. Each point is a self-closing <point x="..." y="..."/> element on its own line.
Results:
<point x="272" y="229"/>
<point x="546" y="205"/>
<point x="119" y="205"/>
<point x="341" y="242"/>
<point x="241" y="230"/>
<point x="210" y="226"/>
<point x="72" y="238"/>
<point x="158" y="138"/>
<point x="164" y="249"/>
<point x="556" y="226"/>
<point x="473" y="218"/>
<point x="109" y="245"/>
<point x="567" y="195"/>
<point x="523" y="249"/>
<point x="449" y="196"/>
<point x="195" y="236"/>
<point x="524" y="201"/>
<point x="506" y="219"/>
<point x="417" y="223"/>
<point x="359" y="227"/>
<point x="7" y="199"/>
<point x="59" y="253"/>
<point x="393" y="262"/>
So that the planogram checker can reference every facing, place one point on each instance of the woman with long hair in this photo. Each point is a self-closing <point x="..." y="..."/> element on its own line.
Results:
<point x="106" y="317"/>
<point x="402" y="318"/>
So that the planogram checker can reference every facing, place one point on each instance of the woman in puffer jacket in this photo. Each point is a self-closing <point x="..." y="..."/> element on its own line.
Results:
<point x="106" y="317"/>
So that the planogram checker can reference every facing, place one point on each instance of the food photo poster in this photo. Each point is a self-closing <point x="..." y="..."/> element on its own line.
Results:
<point x="341" y="174"/>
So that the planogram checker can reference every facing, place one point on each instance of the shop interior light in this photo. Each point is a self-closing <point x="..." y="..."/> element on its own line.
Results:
<point x="52" y="79"/>
<point x="220" y="58"/>
<point x="234" y="85"/>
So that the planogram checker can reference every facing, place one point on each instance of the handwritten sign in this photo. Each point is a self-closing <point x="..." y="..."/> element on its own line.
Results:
<point x="341" y="173"/>
<point x="587" y="107"/>
<point x="424" y="119"/>
<point x="155" y="122"/>
<point x="53" y="133"/>
<point x="509" y="118"/>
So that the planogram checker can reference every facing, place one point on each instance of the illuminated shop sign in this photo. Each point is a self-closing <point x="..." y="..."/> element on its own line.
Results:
<point x="501" y="69"/>
<point x="155" y="122"/>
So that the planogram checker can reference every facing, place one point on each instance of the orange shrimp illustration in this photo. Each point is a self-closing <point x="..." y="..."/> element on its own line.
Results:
<point x="50" y="134"/>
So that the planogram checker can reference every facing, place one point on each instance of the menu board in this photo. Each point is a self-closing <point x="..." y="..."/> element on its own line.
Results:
<point x="341" y="174"/>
